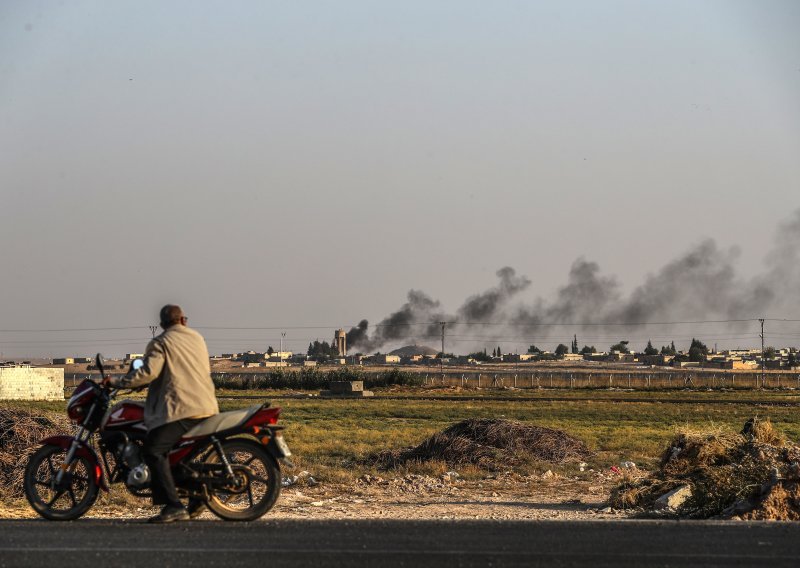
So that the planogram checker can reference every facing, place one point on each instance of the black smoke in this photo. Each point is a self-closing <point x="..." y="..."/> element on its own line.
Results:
<point x="701" y="284"/>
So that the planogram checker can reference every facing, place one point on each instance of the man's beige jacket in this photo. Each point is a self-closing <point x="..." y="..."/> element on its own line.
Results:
<point x="177" y="369"/>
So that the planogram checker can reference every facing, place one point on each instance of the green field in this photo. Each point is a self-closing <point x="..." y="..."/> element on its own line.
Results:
<point x="331" y="437"/>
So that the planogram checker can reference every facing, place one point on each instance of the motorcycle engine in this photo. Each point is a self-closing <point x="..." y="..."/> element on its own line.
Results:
<point x="139" y="473"/>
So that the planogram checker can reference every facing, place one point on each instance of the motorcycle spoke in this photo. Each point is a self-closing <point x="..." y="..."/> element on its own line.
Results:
<point x="72" y="497"/>
<point x="50" y="465"/>
<point x="259" y="479"/>
<point x="55" y="498"/>
<point x="43" y="483"/>
<point x="250" y="494"/>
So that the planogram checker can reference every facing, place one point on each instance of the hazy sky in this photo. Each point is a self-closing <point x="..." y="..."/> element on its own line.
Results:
<point x="307" y="163"/>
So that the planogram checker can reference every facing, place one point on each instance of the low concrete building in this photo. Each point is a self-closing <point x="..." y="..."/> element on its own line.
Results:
<point x="385" y="359"/>
<point x="656" y="359"/>
<point x="64" y="361"/>
<point x="520" y="357"/>
<point x="28" y="383"/>
<point x="572" y="357"/>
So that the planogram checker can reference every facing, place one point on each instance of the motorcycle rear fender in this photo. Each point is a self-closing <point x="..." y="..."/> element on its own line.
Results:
<point x="83" y="451"/>
<point x="277" y="451"/>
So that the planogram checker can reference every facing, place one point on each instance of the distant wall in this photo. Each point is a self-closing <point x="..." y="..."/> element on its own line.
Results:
<point x="27" y="383"/>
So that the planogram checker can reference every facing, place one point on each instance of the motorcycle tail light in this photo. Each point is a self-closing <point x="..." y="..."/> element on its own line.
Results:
<point x="264" y="416"/>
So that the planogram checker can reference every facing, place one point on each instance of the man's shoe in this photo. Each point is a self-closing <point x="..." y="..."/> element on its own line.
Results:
<point x="170" y="514"/>
<point x="195" y="508"/>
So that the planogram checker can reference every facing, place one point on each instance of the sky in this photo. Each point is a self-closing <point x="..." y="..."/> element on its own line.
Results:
<point x="299" y="165"/>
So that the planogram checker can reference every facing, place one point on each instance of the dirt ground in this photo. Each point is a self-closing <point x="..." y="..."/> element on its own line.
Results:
<point x="506" y="496"/>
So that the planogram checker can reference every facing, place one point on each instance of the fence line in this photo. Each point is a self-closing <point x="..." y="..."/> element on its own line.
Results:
<point x="499" y="379"/>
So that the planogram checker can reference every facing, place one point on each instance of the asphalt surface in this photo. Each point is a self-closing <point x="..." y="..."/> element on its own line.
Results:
<point x="400" y="543"/>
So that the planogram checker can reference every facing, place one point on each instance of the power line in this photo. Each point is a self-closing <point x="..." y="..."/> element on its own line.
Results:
<point x="405" y="324"/>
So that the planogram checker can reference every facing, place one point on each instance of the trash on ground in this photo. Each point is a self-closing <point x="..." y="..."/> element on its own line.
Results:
<point x="754" y="474"/>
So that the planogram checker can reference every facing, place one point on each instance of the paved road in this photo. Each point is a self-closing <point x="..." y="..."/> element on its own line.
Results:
<point x="322" y="544"/>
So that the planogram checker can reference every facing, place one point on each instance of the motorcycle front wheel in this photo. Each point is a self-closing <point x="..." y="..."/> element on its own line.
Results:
<point x="64" y="501"/>
<point x="260" y="482"/>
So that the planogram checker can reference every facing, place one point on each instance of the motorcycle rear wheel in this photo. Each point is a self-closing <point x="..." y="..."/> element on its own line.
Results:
<point x="67" y="502"/>
<point x="263" y="486"/>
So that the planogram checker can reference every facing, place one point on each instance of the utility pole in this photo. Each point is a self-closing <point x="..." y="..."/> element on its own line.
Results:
<point x="441" y="359"/>
<point x="280" y="355"/>
<point x="153" y="329"/>
<point x="761" y="335"/>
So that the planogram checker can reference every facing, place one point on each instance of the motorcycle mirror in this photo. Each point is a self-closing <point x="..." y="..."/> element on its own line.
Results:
<point x="136" y="364"/>
<point x="99" y="361"/>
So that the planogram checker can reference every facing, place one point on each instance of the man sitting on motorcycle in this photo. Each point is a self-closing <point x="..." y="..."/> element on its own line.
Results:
<point x="180" y="394"/>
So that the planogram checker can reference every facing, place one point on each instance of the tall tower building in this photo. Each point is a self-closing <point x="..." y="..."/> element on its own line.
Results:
<point x="340" y="340"/>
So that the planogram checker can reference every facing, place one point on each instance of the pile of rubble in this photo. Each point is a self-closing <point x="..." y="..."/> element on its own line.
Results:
<point x="754" y="474"/>
<point x="20" y="433"/>
<point x="490" y="444"/>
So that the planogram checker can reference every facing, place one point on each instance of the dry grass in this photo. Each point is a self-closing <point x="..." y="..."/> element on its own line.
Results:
<point x="489" y="444"/>
<point x="752" y="472"/>
<point x="20" y="432"/>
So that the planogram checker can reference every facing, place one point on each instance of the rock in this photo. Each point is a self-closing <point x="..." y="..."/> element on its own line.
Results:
<point x="607" y="510"/>
<point x="317" y="503"/>
<point x="628" y="465"/>
<point x="548" y="474"/>
<point x="582" y="466"/>
<point x="674" y="499"/>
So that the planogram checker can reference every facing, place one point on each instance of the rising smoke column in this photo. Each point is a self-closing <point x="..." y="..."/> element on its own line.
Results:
<point x="484" y="306"/>
<point x="701" y="284"/>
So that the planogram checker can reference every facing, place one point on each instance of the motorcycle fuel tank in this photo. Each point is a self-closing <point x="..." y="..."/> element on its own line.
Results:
<point x="125" y="415"/>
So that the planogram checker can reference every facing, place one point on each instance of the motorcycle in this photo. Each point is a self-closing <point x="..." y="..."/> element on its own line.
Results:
<point x="229" y="461"/>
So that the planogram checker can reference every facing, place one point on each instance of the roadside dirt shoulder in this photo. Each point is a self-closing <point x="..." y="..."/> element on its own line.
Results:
<point x="506" y="497"/>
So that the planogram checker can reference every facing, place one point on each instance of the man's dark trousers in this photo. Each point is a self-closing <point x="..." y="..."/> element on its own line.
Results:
<point x="157" y="444"/>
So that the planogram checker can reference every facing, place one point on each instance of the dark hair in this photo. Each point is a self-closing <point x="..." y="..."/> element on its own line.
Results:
<point x="170" y="315"/>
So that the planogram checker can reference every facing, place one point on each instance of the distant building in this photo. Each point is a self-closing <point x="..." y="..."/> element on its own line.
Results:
<point x="84" y="360"/>
<point x="279" y="355"/>
<point x="340" y="341"/>
<point x="656" y="359"/>
<point x="572" y="357"/>
<point x="132" y="356"/>
<point x="521" y="357"/>
<point x="355" y="359"/>
<point x="64" y="361"/>
<point x="385" y="359"/>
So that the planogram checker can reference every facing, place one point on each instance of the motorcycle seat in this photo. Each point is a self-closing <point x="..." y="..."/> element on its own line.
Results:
<point x="222" y="421"/>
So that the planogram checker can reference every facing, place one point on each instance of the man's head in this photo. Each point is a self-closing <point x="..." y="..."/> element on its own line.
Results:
<point x="172" y="315"/>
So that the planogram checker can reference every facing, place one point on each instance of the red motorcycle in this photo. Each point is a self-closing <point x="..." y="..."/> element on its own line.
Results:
<point x="229" y="461"/>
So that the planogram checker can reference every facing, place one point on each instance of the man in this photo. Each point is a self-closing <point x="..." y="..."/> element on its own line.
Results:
<point x="180" y="395"/>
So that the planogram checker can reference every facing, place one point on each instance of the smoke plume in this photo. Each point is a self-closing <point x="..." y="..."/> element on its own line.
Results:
<point x="702" y="284"/>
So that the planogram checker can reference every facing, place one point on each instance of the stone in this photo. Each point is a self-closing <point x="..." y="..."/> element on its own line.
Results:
<point x="548" y="474"/>
<point x="343" y="387"/>
<point x="672" y="500"/>
<point x="347" y="389"/>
